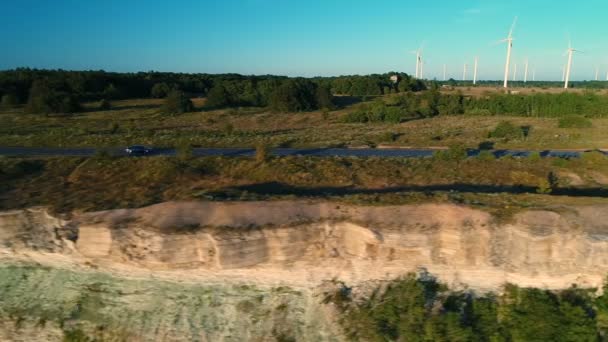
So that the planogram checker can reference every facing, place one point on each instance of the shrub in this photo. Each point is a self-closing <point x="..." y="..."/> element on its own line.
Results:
<point x="104" y="105"/>
<point x="160" y="90"/>
<point x="358" y="116"/>
<point x="44" y="100"/>
<point x="261" y="153"/>
<point x="454" y="153"/>
<point x="184" y="152"/>
<point x="9" y="101"/>
<point x="388" y="137"/>
<point x="574" y="122"/>
<point x="486" y="155"/>
<point x="534" y="157"/>
<point x="177" y="103"/>
<point x="507" y="130"/>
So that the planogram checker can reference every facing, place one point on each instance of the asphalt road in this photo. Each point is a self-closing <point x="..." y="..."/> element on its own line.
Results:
<point x="317" y="152"/>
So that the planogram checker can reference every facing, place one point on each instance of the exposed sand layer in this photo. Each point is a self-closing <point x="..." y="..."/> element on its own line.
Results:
<point x="302" y="244"/>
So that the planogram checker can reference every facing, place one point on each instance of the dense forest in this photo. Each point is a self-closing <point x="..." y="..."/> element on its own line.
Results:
<point x="421" y="309"/>
<point x="58" y="91"/>
<point x="49" y="91"/>
<point x="407" y="106"/>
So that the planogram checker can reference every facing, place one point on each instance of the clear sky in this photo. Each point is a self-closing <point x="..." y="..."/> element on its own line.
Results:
<point x="304" y="37"/>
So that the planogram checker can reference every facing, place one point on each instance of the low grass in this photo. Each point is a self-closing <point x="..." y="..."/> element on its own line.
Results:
<point x="141" y="122"/>
<point x="103" y="182"/>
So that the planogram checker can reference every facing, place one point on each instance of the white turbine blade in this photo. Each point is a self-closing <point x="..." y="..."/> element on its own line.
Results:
<point x="512" y="27"/>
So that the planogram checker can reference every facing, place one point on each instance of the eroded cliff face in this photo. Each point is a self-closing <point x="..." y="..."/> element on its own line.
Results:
<point x="242" y="253"/>
<point x="303" y="244"/>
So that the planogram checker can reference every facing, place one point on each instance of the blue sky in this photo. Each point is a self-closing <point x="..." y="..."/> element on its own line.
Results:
<point x="306" y="38"/>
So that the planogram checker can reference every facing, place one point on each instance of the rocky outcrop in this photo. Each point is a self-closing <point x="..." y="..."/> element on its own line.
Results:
<point x="303" y="244"/>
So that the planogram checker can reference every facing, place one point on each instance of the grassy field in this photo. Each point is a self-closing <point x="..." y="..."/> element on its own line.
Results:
<point x="67" y="184"/>
<point x="140" y="121"/>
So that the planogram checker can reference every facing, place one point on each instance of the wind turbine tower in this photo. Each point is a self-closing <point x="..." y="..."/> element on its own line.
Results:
<point x="570" y="52"/>
<point x="509" y="41"/>
<point x="418" y="54"/>
<point x="526" y="72"/>
<point x="421" y="68"/>
<point x="475" y="71"/>
<point x="514" y="71"/>
<point x="597" y="73"/>
<point x="464" y="72"/>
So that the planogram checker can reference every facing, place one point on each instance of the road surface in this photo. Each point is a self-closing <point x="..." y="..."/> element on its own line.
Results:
<point x="245" y="152"/>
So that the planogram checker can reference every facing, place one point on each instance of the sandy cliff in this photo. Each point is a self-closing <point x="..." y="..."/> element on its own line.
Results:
<point x="303" y="244"/>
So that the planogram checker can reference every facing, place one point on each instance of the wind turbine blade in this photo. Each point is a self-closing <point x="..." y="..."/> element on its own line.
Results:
<point x="512" y="27"/>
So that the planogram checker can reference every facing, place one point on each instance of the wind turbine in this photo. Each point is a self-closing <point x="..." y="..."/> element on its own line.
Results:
<point x="526" y="72"/>
<point x="514" y="71"/>
<point x="534" y="74"/>
<point x="475" y="71"/>
<point x="418" y="54"/>
<point x="563" y="72"/>
<point x="464" y="72"/>
<point x="570" y="52"/>
<point x="509" y="41"/>
<point x="597" y="73"/>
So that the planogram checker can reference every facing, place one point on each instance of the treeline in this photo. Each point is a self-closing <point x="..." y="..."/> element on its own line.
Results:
<point x="529" y="84"/>
<point x="413" y="309"/>
<point x="60" y="91"/>
<point x="401" y="107"/>
<point x="398" y="108"/>
<point x="539" y="104"/>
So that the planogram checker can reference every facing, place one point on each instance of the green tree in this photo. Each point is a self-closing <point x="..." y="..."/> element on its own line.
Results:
<point x="177" y="103"/>
<point x="294" y="95"/>
<point x="324" y="98"/>
<point x="160" y="90"/>
<point x="45" y="100"/>
<point x="218" y="97"/>
<point x="111" y="92"/>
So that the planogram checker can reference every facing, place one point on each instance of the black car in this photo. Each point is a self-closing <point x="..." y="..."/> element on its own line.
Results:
<point x="138" y="150"/>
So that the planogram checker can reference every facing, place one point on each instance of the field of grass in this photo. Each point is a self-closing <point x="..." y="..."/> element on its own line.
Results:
<point x="140" y="121"/>
<point x="67" y="184"/>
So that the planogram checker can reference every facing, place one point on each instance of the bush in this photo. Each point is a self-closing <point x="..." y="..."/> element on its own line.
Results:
<point x="534" y="157"/>
<point x="507" y="130"/>
<point x="160" y="90"/>
<point x="184" y="152"/>
<point x="177" y="103"/>
<point x="454" y="153"/>
<point x="358" y="116"/>
<point x="261" y="153"/>
<point x="44" y="100"/>
<point x="9" y="101"/>
<point x="104" y="105"/>
<point x="574" y="122"/>
<point x="486" y="155"/>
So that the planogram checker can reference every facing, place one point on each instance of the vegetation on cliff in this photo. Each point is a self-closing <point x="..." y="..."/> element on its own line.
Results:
<point x="421" y="309"/>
